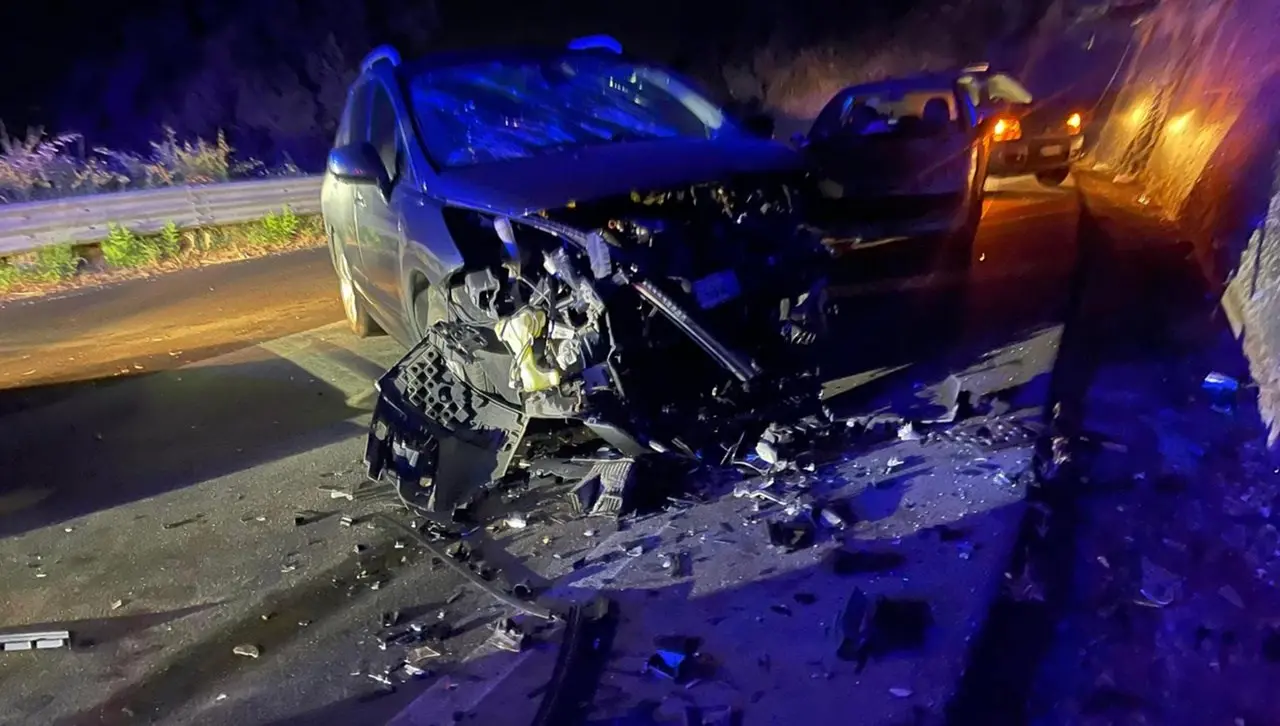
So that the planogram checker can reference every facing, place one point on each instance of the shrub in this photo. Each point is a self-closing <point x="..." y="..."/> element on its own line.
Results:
<point x="57" y="262"/>
<point x="276" y="229"/>
<point x="37" y="166"/>
<point x="123" y="248"/>
<point x="169" y="241"/>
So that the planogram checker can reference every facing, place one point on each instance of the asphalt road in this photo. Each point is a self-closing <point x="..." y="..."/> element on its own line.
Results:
<point x="160" y="435"/>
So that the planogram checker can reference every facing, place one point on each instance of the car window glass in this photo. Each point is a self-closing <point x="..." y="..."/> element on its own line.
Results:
<point x="882" y="113"/>
<point x="1004" y="88"/>
<point x="354" y="122"/>
<point x="505" y="109"/>
<point x="382" y="131"/>
<point x="830" y="118"/>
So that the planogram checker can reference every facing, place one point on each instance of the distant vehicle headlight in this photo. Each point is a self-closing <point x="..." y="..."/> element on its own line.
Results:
<point x="1074" y="123"/>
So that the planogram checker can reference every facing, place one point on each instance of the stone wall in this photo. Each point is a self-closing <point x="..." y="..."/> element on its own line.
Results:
<point x="1196" y="127"/>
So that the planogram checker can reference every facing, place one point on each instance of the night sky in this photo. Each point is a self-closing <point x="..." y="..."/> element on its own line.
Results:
<point x="273" y="73"/>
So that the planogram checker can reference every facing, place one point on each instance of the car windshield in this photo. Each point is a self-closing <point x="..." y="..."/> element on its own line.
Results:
<point x="1001" y="87"/>
<point x="500" y="110"/>
<point x="869" y="114"/>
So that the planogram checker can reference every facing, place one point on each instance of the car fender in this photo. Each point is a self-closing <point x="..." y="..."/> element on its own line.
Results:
<point x="426" y="247"/>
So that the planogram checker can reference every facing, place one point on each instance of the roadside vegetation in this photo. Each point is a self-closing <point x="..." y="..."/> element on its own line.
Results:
<point x="38" y="166"/>
<point x="125" y="253"/>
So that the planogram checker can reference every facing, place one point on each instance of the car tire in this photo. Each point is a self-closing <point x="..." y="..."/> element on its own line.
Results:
<point x="353" y="305"/>
<point x="425" y="314"/>
<point x="1053" y="177"/>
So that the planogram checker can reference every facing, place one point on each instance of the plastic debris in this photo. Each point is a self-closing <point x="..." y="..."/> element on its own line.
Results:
<point x="1222" y="390"/>
<point x="907" y="432"/>
<point x="412" y="671"/>
<point x="583" y="495"/>
<point x="421" y="653"/>
<point x="41" y="640"/>
<point x="674" y="658"/>
<point x="507" y="635"/>
<point x="900" y="692"/>
<point x="516" y="520"/>
<point x="1160" y="587"/>
<point x="248" y="650"/>
<point x="615" y="479"/>
<point x="791" y="536"/>
<point x="336" y="492"/>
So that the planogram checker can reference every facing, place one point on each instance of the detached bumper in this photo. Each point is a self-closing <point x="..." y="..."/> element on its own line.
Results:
<point x="1028" y="156"/>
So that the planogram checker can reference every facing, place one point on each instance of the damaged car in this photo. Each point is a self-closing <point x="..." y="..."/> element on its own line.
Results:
<point x="566" y="234"/>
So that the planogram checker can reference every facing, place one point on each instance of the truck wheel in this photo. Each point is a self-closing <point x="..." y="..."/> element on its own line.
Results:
<point x="1053" y="178"/>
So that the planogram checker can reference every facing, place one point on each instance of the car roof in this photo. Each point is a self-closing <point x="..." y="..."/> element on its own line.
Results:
<point x="474" y="56"/>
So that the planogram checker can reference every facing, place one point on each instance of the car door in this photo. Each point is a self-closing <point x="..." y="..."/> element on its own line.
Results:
<point x="340" y="214"/>
<point x="377" y="218"/>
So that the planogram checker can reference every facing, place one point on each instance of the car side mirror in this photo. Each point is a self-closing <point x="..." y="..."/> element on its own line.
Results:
<point x="358" y="163"/>
<point x="759" y="124"/>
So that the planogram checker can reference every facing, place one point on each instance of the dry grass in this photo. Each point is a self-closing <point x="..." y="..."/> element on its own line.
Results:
<point x="125" y="255"/>
<point x="39" y="166"/>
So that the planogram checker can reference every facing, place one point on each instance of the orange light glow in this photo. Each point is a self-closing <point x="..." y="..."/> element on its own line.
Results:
<point x="1074" y="122"/>
<point x="1180" y="123"/>
<point x="1006" y="129"/>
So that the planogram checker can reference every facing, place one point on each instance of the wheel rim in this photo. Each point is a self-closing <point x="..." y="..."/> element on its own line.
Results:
<point x="346" y="288"/>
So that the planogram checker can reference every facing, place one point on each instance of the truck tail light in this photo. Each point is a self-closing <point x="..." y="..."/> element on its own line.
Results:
<point x="1074" y="123"/>
<point x="1006" y="129"/>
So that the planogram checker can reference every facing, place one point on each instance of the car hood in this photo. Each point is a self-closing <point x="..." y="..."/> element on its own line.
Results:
<point x="523" y="186"/>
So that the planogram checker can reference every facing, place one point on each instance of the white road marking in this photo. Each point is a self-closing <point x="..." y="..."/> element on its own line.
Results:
<point x="335" y="356"/>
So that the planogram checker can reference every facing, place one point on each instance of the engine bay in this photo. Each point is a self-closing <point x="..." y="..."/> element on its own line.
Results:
<point x="666" y="322"/>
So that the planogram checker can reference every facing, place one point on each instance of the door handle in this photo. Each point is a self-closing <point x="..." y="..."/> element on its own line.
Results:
<point x="359" y="199"/>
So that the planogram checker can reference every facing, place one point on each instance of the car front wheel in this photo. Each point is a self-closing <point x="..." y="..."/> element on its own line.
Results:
<point x="353" y="306"/>
<point x="1053" y="177"/>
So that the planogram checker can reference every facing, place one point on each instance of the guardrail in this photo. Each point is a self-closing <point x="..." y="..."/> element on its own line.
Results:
<point x="28" y="226"/>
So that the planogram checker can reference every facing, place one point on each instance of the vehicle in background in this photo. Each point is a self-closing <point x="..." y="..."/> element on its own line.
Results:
<point x="565" y="234"/>
<point x="901" y="160"/>
<point x="1029" y="136"/>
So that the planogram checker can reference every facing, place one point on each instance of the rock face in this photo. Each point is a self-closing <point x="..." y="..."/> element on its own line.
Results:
<point x="1203" y="157"/>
